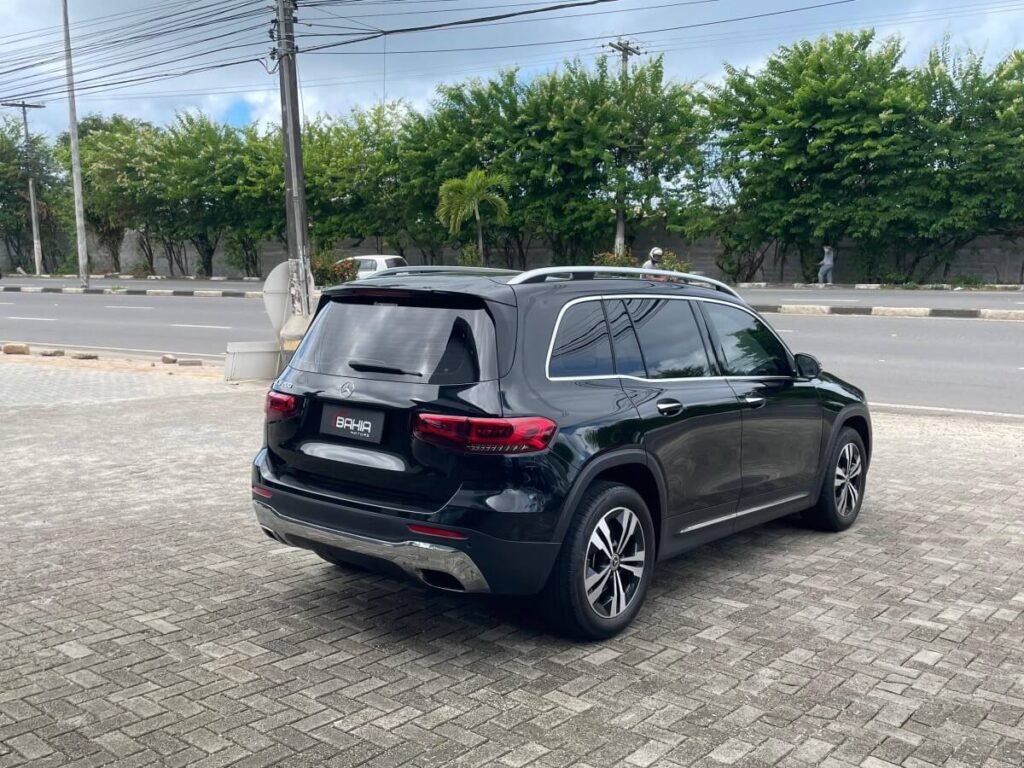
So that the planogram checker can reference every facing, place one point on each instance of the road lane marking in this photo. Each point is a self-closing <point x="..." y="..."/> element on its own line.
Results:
<point x="936" y="409"/>
<point x="114" y="306"/>
<point x="210" y="327"/>
<point x="40" y="319"/>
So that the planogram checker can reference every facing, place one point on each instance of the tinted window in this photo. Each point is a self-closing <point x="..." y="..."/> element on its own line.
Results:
<point x="395" y="261"/>
<point x="628" y="360"/>
<point x="582" y="347"/>
<point x="401" y="342"/>
<point x="750" y="348"/>
<point x="669" y="338"/>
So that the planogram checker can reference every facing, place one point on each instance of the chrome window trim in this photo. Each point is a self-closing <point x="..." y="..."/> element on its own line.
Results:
<point x="655" y="296"/>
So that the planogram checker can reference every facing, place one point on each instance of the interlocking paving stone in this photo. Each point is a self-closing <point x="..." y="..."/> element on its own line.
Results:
<point x="145" y="620"/>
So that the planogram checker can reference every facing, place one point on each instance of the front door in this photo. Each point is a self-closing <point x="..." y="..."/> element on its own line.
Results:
<point x="782" y="415"/>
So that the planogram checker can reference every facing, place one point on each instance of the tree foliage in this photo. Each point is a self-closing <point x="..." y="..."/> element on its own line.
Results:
<point x="832" y="141"/>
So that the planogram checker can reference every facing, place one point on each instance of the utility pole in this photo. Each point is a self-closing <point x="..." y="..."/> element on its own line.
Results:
<point x="37" y="245"/>
<point x="294" y="175"/>
<point x="626" y="49"/>
<point x="76" y="158"/>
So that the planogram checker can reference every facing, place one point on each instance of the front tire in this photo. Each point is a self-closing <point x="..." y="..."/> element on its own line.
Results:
<point x="605" y="567"/>
<point x="842" y="491"/>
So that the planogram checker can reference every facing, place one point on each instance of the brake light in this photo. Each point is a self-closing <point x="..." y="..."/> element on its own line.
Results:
<point x="263" y="493"/>
<point x="482" y="435"/>
<point x="279" y="406"/>
<point x="441" y="533"/>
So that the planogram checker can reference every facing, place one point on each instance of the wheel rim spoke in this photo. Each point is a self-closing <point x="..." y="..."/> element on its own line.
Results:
<point x="618" y="594"/>
<point x="602" y="539"/>
<point x="596" y="585"/>
<point x="629" y="523"/>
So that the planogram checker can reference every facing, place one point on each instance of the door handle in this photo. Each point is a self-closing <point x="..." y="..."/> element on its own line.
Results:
<point x="670" y="407"/>
<point x="755" y="401"/>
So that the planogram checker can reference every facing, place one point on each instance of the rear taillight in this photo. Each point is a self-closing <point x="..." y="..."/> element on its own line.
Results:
<point x="280" y="406"/>
<point x="480" y="435"/>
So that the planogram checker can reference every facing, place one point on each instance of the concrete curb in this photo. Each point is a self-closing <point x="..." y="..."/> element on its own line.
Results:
<point x="886" y="287"/>
<point x="201" y="294"/>
<point x="1016" y="315"/>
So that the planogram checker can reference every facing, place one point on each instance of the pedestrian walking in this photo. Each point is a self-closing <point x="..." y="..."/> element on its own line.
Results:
<point x="825" y="267"/>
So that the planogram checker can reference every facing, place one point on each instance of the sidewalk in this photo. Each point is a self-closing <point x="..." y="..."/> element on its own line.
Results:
<point x="147" y="621"/>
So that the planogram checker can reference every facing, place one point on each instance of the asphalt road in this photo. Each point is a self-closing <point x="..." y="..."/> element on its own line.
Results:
<point x="184" y="326"/>
<point x="960" y="364"/>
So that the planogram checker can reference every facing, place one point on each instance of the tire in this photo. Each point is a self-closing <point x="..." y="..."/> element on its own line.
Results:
<point x="841" y="497"/>
<point x="610" y="518"/>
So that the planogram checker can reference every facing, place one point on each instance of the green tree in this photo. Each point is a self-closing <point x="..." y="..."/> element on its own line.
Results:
<point x="202" y="161"/>
<point x="257" y="200"/>
<point x="461" y="199"/>
<point x="811" y="140"/>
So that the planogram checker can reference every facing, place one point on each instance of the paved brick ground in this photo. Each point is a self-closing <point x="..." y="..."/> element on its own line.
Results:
<point x="145" y="621"/>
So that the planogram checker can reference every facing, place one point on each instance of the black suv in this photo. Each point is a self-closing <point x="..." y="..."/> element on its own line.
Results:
<point x="555" y="431"/>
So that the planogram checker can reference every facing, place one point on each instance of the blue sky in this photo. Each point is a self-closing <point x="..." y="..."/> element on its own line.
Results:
<point x="695" y="37"/>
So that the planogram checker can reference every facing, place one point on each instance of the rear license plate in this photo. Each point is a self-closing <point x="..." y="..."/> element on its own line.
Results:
<point x="354" y="423"/>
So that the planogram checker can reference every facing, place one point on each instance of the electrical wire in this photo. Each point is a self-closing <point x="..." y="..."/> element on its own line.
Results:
<point x="696" y="25"/>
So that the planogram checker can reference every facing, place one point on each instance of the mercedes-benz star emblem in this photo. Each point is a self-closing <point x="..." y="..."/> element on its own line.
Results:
<point x="346" y="390"/>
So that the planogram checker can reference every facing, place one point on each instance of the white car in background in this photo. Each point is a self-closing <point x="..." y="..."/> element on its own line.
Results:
<point x="368" y="265"/>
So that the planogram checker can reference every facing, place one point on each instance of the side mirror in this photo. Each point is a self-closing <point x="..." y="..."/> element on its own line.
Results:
<point x="808" y="366"/>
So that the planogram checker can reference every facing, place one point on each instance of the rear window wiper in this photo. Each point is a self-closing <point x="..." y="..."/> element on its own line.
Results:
<point x="378" y="366"/>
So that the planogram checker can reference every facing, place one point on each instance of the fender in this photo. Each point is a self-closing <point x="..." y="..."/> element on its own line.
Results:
<point x="601" y="463"/>
<point x="837" y="423"/>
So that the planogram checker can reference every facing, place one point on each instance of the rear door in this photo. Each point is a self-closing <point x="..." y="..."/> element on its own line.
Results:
<point x="691" y="418"/>
<point x="367" y="366"/>
<point x="782" y="416"/>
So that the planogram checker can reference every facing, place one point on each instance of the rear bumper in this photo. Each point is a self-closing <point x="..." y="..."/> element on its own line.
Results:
<point x="413" y="557"/>
<point x="480" y="563"/>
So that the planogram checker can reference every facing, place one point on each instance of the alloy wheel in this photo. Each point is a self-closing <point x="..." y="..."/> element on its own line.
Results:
<point x="848" y="480"/>
<point x="615" y="561"/>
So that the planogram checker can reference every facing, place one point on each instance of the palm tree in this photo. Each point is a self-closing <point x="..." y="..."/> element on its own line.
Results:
<point x="459" y="199"/>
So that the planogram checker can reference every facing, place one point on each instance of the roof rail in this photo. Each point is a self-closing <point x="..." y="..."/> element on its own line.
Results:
<point x="398" y="271"/>
<point x="589" y="273"/>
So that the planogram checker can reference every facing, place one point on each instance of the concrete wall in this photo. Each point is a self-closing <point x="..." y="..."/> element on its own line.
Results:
<point x="990" y="259"/>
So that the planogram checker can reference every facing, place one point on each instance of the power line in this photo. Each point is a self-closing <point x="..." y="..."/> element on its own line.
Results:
<point x="579" y="39"/>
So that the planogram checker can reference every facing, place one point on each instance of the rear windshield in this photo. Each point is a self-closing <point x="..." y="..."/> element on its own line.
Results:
<point x="395" y="261"/>
<point x="417" y="342"/>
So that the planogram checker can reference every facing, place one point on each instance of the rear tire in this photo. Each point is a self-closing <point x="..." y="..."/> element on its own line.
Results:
<point x="842" y="490"/>
<point x="604" y="569"/>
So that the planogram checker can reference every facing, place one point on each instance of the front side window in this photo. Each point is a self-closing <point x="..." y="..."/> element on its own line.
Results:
<point x="581" y="347"/>
<point x="669" y="338"/>
<point x="749" y="346"/>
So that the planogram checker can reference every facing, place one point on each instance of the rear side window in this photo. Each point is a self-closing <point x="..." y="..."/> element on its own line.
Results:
<point x="395" y="261"/>
<point x="628" y="360"/>
<point x="581" y="345"/>
<point x="422" y="343"/>
<point x="670" y="338"/>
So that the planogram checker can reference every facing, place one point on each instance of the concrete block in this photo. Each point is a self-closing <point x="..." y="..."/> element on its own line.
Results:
<point x="252" y="360"/>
